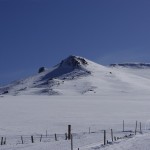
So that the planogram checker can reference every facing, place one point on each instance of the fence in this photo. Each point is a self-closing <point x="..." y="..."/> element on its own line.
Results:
<point x="108" y="136"/>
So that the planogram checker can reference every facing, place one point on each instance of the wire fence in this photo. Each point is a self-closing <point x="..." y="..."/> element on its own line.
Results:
<point x="105" y="137"/>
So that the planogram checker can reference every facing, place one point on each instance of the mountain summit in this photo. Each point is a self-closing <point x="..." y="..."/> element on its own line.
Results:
<point x="71" y="68"/>
<point x="76" y="75"/>
<point x="73" y="62"/>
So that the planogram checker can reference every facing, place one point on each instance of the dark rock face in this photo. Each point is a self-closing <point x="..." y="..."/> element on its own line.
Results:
<point x="5" y="92"/>
<point x="68" y="67"/>
<point x="73" y="61"/>
<point x="41" y="69"/>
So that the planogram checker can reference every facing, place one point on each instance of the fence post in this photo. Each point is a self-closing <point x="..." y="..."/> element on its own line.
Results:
<point x="112" y="135"/>
<point x="104" y="137"/>
<point x="55" y="137"/>
<point x="135" y="127"/>
<point x="21" y="139"/>
<point x="69" y="132"/>
<point x="46" y="133"/>
<point x="41" y="138"/>
<point x="1" y="140"/>
<point x="71" y="142"/>
<point x="123" y="125"/>
<point x="32" y="140"/>
<point x="140" y="127"/>
<point x="89" y="130"/>
<point x="5" y="141"/>
<point x="66" y="136"/>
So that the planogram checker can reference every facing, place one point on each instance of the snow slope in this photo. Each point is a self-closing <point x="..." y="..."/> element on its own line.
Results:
<point x="140" y="142"/>
<point x="90" y="95"/>
<point x="77" y="76"/>
<point x="33" y="115"/>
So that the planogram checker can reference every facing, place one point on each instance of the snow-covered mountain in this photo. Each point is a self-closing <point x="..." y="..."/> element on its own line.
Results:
<point x="76" y="75"/>
<point x="104" y="96"/>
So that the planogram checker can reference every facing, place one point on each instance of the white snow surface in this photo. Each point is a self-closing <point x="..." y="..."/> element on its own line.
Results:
<point x="80" y="93"/>
<point x="140" y="142"/>
<point x="33" y="115"/>
<point x="78" y="76"/>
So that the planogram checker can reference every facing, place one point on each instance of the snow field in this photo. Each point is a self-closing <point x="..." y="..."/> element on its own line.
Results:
<point x="33" y="115"/>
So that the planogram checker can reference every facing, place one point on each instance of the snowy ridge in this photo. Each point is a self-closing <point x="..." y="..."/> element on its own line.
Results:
<point x="76" y="75"/>
<point x="132" y="65"/>
<point x="70" y="68"/>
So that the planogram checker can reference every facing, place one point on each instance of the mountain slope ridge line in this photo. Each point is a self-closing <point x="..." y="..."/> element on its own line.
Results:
<point x="76" y="75"/>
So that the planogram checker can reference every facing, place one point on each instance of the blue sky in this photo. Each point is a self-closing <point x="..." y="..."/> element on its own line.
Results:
<point x="36" y="33"/>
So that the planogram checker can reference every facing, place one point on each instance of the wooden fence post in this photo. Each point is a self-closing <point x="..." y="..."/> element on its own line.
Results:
<point x="140" y="127"/>
<point x="66" y="136"/>
<point x="1" y="140"/>
<point x="21" y="139"/>
<point x="55" y="137"/>
<point x="41" y="138"/>
<point x="32" y="140"/>
<point x="46" y="133"/>
<point x="112" y="135"/>
<point x="123" y="125"/>
<point x="69" y="132"/>
<point x="135" y="127"/>
<point x="71" y="142"/>
<point x="5" y="141"/>
<point x="104" y="137"/>
<point x="89" y="130"/>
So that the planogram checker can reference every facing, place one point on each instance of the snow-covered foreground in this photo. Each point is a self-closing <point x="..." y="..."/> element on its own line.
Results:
<point x="33" y="115"/>
<point x="139" y="142"/>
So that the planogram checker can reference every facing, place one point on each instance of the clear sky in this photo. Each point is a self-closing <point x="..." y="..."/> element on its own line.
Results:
<point x="36" y="33"/>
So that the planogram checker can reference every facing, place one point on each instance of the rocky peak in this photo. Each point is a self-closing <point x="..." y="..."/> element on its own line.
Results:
<point x="74" y="62"/>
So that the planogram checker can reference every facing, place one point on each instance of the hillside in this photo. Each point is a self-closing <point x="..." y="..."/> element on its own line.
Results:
<point x="88" y="95"/>
<point x="77" y="76"/>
